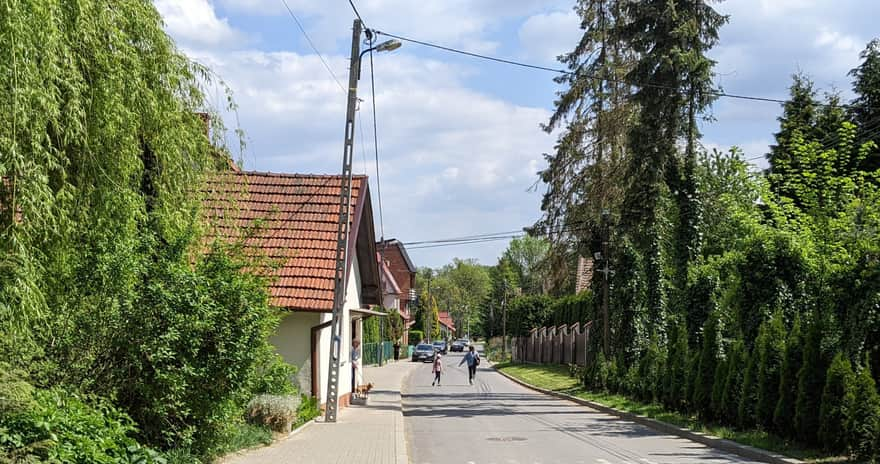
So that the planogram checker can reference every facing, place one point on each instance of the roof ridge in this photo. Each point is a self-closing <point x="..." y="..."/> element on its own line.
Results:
<point x="296" y="175"/>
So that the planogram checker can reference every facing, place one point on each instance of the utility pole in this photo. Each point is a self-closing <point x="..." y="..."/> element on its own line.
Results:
<point x="342" y="231"/>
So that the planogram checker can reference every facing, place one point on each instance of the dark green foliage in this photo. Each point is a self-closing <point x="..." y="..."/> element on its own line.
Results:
<point x="730" y="397"/>
<point x="811" y="381"/>
<point x="836" y="400"/>
<point x="371" y="330"/>
<point x="771" y="351"/>
<point x="866" y="106"/>
<point x="783" y="415"/>
<point x="749" y="392"/>
<point x="528" y="312"/>
<point x="676" y="376"/>
<point x="416" y="336"/>
<point x="863" y="426"/>
<point x="570" y="309"/>
<point x="650" y="370"/>
<point x="704" y="385"/>
<point x="718" y="380"/>
<point x="64" y="428"/>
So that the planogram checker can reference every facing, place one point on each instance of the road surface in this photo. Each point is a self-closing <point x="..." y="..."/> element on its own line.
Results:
<point x="499" y="421"/>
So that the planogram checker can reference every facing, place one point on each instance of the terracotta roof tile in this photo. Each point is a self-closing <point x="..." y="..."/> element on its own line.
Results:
<point x="296" y="221"/>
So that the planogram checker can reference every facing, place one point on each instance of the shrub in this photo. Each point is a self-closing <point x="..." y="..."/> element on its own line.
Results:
<point x="278" y="412"/>
<point x="863" y="428"/>
<point x="791" y="364"/>
<point x="61" y="427"/>
<point x="832" y="414"/>
<point x="308" y="409"/>
<point x="771" y="351"/>
<point x="274" y="377"/>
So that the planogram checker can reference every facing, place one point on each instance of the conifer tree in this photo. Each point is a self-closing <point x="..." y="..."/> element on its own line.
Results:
<point x="771" y="351"/>
<point x="783" y="416"/>
<point x="749" y="395"/>
<point x="811" y="381"/>
<point x="708" y="366"/>
<point x="834" y="410"/>
<point x="863" y="429"/>
<point x="865" y="108"/>
<point x="736" y="365"/>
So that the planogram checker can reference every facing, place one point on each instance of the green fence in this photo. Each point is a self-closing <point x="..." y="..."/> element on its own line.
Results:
<point x="378" y="353"/>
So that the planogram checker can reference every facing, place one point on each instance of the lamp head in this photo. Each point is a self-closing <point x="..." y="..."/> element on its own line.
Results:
<point x="388" y="45"/>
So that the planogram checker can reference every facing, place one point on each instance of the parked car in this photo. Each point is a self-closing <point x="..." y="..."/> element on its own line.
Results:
<point x="424" y="352"/>
<point x="459" y="345"/>
<point x="440" y="346"/>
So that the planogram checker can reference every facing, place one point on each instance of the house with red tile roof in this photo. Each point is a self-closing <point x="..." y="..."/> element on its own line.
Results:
<point x="404" y="273"/>
<point x="447" y="325"/>
<point x="290" y="221"/>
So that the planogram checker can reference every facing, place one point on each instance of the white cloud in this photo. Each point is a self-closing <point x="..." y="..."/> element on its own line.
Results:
<point x="196" y="22"/>
<point x="545" y="36"/>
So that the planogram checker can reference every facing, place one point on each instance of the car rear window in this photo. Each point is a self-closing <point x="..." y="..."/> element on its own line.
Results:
<point x="424" y="347"/>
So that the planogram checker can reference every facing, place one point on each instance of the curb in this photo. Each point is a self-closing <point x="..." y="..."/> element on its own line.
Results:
<point x="402" y="455"/>
<point x="722" y="444"/>
<point x="301" y="428"/>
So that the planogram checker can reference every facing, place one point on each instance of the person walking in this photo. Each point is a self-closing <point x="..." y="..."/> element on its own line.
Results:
<point x="438" y="367"/>
<point x="472" y="358"/>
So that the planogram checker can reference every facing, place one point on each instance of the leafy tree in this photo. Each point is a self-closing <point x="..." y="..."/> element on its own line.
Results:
<point x="835" y="398"/>
<point x="788" y="384"/>
<point x="771" y="351"/>
<point x="863" y="428"/>
<point x="526" y="255"/>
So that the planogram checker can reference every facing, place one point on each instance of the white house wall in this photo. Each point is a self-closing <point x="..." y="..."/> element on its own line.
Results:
<point x="292" y="340"/>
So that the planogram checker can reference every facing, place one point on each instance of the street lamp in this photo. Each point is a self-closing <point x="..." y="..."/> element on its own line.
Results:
<point x="386" y="46"/>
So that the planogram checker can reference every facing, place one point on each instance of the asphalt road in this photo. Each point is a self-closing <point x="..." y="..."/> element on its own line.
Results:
<point x="498" y="421"/>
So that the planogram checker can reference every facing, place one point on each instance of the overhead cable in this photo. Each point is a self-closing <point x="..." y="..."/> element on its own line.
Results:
<point x="312" y="44"/>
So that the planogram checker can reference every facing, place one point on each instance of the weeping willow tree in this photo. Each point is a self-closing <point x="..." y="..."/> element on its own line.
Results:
<point x="105" y="283"/>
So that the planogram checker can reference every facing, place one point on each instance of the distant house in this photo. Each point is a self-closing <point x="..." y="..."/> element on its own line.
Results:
<point x="292" y="219"/>
<point x="404" y="273"/>
<point x="447" y="325"/>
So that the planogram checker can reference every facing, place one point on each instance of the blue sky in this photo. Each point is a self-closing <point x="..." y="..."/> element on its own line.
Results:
<point x="459" y="139"/>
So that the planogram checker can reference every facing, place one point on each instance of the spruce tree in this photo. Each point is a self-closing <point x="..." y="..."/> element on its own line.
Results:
<point x="811" y="381"/>
<point x="771" y="351"/>
<point x="783" y="416"/>
<point x="865" y="108"/>
<point x="798" y="115"/>
<point x="833" y="412"/>
<point x="863" y="429"/>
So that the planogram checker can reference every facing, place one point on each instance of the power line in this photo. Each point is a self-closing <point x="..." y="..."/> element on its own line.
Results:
<point x="356" y="13"/>
<point x="590" y="76"/>
<point x="312" y="44"/>
<point x="376" y="139"/>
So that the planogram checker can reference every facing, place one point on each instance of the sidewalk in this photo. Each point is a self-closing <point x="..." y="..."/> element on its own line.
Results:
<point x="362" y="434"/>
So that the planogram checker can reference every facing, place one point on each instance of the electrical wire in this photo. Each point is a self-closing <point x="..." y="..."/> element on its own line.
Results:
<point x="356" y="12"/>
<point x="590" y="76"/>
<point x="312" y="44"/>
<point x="376" y="142"/>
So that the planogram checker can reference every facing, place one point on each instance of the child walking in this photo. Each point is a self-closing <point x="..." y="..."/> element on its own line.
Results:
<point x="438" y="367"/>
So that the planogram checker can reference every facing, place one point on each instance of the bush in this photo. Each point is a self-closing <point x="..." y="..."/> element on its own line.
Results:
<point x="308" y="409"/>
<point x="863" y="429"/>
<point x="278" y="412"/>
<point x="791" y="364"/>
<point x="61" y="427"/>
<point x="832" y="414"/>
<point x="274" y="377"/>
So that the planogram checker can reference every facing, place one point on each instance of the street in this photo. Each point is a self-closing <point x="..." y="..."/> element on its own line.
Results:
<point x="498" y="421"/>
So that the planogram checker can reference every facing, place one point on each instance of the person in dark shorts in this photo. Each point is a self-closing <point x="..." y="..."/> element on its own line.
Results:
<point x="472" y="358"/>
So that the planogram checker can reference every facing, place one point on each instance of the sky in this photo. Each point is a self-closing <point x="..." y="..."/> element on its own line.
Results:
<point x="460" y="142"/>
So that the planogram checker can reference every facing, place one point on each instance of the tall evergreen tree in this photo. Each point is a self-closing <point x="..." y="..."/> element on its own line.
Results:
<point x="708" y="362"/>
<point x="674" y="86"/>
<point x="833" y="412"/>
<point x="863" y="426"/>
<point x="798" y="115"/>
<point x="865" y="108"/>
<point x="736" y="365"/>
<point x="749" y="394"/>
<point x="811" y="381"/>
<point x="791" y="364"/>
<point x="771" y="351"/>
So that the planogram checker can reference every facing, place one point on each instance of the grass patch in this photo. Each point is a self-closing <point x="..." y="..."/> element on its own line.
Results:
<point x="557" y="378"/>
